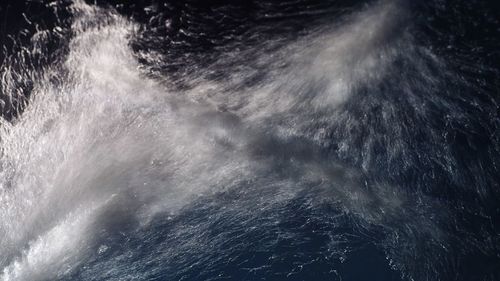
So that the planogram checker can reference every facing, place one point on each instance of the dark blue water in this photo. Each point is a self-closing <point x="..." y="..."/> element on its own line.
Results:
<point x="216" y="140"/>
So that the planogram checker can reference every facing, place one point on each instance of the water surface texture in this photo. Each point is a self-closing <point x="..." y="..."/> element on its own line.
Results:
<point x="218" y="140"/>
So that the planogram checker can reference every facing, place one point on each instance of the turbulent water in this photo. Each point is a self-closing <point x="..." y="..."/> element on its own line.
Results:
<point x="268" y="141"/>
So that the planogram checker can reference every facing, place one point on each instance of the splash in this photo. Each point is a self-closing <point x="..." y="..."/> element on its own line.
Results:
<point x="103" y="149"/>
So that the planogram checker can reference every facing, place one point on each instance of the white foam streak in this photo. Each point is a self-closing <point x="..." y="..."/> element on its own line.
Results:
<point x="56" y="252"/>
<point x="314" y="76"/>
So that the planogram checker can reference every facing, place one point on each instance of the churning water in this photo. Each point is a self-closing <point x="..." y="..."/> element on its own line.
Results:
<point x="352" y="147"/>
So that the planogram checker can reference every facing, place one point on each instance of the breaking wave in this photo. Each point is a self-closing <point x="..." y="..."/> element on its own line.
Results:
<point x="296" y="158"/>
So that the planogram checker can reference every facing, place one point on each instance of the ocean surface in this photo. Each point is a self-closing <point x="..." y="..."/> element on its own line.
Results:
<point x="250" y="140"/>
